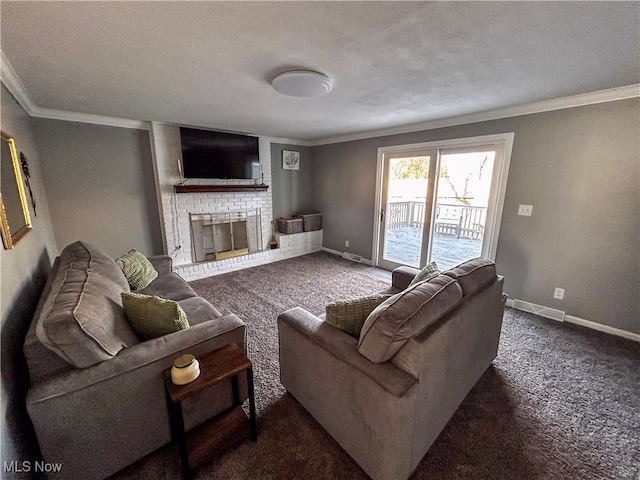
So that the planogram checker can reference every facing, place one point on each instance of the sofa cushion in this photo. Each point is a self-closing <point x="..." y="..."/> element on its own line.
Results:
<point x="473" y="274"/>
<point x="137" y="268"/>
<point x="171" y="286"/>
<point x="405" y="315"/>
<point x="83" y="320"/>
<point x="152" y="316"/>
<point x="83" y="256"/>
<point x="199" y="310"/>
<point x="349" y="315"/>
<point x="428" y="272"/>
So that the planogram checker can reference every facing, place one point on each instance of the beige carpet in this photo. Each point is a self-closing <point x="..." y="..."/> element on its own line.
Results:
<point x="560" y="401"/>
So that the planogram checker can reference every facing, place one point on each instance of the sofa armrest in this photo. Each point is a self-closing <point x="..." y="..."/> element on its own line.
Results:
<point x="345" y="348"/>
<point x="162" y="263"/>
<point x="97" y="420"/>
<point x="401" y="277"/>
<point x="158" y="354"/>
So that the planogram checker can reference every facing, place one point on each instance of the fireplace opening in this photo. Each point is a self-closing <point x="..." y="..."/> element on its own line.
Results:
<point x="217" y="236"/>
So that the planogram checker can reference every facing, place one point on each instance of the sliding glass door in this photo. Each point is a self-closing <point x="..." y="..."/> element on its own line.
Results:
<point x="439" y="204"/>
<point x="407" y="193"/>
<point x="463" y="189"/>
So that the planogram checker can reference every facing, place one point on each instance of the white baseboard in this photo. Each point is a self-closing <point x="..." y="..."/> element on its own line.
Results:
<point x="366" y="261"/>
<point x="545" y="311"/>
<point x="602" y="328"/>
<point x="541" y="310"/>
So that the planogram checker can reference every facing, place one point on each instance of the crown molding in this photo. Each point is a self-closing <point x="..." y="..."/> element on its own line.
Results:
<point x="11" y="80"/>
<point x="289" y="141"/>
<point x="89" y="118"/>
<point x="280" y="140"/>
<point x="591" y="98"/>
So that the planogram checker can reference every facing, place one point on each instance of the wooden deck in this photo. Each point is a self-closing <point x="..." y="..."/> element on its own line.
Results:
<point x="403" y="246"/>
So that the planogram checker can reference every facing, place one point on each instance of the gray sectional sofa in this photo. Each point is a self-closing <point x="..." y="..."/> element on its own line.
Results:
<point x="386" y="396"/>
<point x="97" y="397"/>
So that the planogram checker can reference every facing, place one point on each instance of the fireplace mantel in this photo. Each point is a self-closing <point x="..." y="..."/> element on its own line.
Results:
<point x="219" y="188"/>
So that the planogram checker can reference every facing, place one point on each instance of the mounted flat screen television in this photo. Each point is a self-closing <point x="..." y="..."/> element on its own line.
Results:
<point x="209" y="154"/>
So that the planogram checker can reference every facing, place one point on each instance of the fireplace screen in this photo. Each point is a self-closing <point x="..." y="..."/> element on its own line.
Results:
<point x="216" y="236"/>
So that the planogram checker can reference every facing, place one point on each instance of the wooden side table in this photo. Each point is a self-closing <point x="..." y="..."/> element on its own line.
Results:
<point x="224" y="431"/>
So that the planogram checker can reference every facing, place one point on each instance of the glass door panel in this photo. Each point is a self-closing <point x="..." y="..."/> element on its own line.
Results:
<point x="460" y="215"/>
<point x="405" y="208"/>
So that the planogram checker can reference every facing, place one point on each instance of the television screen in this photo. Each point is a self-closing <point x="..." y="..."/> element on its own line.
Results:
<point x="208" y="154"/>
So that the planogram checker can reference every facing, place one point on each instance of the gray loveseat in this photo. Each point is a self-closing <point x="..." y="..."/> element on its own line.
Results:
<point x="386" y="396"/>
<point x="97" y="397"/>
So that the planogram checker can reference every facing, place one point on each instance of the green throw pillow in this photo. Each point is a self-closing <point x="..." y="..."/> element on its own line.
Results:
<point x="152" y="316"/>
<point x="138" y="269"/>
<point x="350" y="315"/>
<point x="427" y="273"/>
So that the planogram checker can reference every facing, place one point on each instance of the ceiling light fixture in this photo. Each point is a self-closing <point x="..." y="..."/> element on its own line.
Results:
<point x="302" y="83"/>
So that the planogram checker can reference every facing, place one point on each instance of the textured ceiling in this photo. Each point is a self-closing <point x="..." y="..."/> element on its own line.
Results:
<point x="210" y="64"/>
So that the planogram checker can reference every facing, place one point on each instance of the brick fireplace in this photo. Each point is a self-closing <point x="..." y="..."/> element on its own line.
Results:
<point x="177" y="210"/>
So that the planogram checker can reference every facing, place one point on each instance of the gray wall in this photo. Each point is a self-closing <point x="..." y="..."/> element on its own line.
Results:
<point x="23" y="274"/>
<point x="291" y="189"/>
<point x="101" y="185"/>
<point x="579" y="167"/>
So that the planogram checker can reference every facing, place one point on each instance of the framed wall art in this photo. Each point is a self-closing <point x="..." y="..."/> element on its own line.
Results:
<point x="15" y="220"/>
<point x="290" y="160"/>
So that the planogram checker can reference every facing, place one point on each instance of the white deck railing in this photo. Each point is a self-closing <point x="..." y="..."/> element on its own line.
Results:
<point x="463" y="221"/>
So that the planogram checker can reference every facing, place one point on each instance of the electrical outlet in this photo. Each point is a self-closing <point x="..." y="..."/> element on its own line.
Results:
<point x="558" y="293"/>
<point x="346" y="243"/>
<point x="525" y="210"/>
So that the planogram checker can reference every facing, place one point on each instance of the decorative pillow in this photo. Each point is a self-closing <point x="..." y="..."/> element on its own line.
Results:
<point x="152" y="316"/>
<point x="405" y="315"/>
<point x="428" y="272"/>
<point x="473" y="274"/>
<point x="349" y="315"/>
<point x="138" y="269"/>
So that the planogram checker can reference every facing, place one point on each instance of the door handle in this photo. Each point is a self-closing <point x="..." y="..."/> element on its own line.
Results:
<point x="381" y="215"/>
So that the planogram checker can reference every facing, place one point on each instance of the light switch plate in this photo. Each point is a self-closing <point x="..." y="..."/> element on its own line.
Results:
<point x="525" y="210"/>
